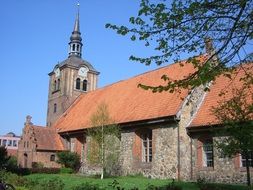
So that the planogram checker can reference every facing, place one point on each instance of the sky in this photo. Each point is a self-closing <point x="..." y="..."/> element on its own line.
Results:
<point x="34" y="37"/>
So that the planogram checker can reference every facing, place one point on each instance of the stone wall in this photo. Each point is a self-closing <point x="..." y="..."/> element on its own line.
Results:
<point x="225" y="170"/>
<point x="164" y="145"/>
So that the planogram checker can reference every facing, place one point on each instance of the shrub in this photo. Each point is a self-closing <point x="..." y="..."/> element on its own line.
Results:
<point x="66" y="171"/>
<point x="69" y="159"/>
<point x="37" y="165"/>
<point x="51" y="184"/>
<point x="87" y="186"/>
<point x="11" y="164"/>
<point x="12" y="178"/>
<point x="45" y="170"/>
<point x="3" y="157"/>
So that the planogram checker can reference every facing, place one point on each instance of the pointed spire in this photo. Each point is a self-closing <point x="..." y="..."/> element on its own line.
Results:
<point x="75" y="44"/>
<point x="77" y="27"/>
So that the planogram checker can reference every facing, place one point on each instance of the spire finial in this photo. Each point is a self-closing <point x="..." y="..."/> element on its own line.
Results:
<point x="76" y="27"/>
<point x="75" y="44"/>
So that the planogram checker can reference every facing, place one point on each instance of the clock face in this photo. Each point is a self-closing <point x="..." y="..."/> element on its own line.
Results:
<point x="83" y="72"/>
<point x="57" y="72"/>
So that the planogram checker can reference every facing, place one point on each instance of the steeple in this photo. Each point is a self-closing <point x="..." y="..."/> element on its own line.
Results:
<point x="75" y="44"/>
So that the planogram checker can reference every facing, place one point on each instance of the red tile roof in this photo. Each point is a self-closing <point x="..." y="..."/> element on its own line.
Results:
<point x="126" y="102"/>
<point x="47" y="138"/>
<point x="204" y="116"/>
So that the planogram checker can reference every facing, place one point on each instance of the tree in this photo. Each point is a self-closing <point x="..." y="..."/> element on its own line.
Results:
<point x="186" y="26"/>
<point x="4" y="158"/>
<point x="236" y="116"/>
<point x="104" y="145"/>
<point x="69" y="159"/>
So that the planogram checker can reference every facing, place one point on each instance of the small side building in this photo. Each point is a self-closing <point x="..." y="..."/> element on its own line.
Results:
<point x="38" y="146"/>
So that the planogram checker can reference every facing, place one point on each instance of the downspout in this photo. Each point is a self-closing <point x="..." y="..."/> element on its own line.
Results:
<point x="178" y="154"/>
<point x="191" y="177"/>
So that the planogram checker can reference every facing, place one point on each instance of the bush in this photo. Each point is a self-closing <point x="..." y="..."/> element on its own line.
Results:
<point x="51" y="184"/>
<point x="13" y="179"/>
<point x="69" y="160"/>
<point x="87" y="186"/>
<point x="66" y="171"/>
<point x="37" y="165"/>
<point x="12" y="164"/>
<point x="45" y="170"/>
<point x="3" y="157"/>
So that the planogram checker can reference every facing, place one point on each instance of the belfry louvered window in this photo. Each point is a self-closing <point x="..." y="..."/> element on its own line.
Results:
<point x="78" y="83"/>
<point x="84" y="85"/>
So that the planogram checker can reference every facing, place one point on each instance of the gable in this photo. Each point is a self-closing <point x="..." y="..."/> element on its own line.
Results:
<point x="204" y="116"/>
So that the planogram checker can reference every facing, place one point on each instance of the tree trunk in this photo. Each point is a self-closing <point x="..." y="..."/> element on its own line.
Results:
<point x="247" y="168"/>
<point x="102" y="174"/>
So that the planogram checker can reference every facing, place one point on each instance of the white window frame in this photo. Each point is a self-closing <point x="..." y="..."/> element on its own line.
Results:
<point x="243" y="160"/>
<point x="208" y="160"/>
<point x="147" y="147"/>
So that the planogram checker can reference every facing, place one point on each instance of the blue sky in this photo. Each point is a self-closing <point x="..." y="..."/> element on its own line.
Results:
<point x="34" y="37"/>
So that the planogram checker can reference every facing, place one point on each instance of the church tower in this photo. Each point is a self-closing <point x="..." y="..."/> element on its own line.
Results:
<point x="70" y="78"/>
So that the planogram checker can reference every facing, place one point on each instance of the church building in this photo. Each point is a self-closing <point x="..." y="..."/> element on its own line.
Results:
<point x="163" y="135"/>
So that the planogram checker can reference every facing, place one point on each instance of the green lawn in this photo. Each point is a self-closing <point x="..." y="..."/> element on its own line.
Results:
<point x="72" y="180"/>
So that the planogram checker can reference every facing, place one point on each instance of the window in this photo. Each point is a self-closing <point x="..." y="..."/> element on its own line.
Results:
<point x="14" y="143"/>
<point x="77" y="47"/>
<point x="243" y="160"/>
<point x="24" y="144"/>
<point x="55" y="108"/>
<point x="84" y="85"/>
<point x="72" y="144"/>
<point x="58" y="84"/>
<point x="4" y="142"/>
<point x="208" y="153"/>
<point x="73" y="47"/>
<point x="78" y="81"/>
<point x="52" y="158"/>
<point x="9" y="143"/>
<point x="27" y="144"/>
<point x="55" y="85"/>
<point x="147" y="147"/>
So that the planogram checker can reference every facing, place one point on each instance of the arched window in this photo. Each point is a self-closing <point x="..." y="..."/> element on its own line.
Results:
<point x="52" y="158"/>
<point x="77" y="47"/>
<point x="55" y="108"/>
<point x="74" y="47"/>
<point x="84" y="85"/>
<point x="78" y="83"/>
<point x="58" y="84"/>
<point x="55" y="85"/>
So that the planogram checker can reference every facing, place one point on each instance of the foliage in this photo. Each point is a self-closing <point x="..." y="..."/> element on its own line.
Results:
<point x="236" y="115"/>
<point x="66" y="171"/>
<point x="45" y="170"/>
<point x="104" y="140"/>
<point x="37" y="165"/>
<point x="69" y="159"/>
<point x="50" y="184"/>
<point x="12" y="164"/>
<point x="203" y="185"/>
<point x="12" y="178"/>
<point x="86" y="186"/>
<point x="3" y="157"/>
<point x="175" y="27"/>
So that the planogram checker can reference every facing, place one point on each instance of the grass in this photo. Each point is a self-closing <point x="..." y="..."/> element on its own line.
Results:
<point x="71" y="180"/>
<point x="127" y="182"/>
